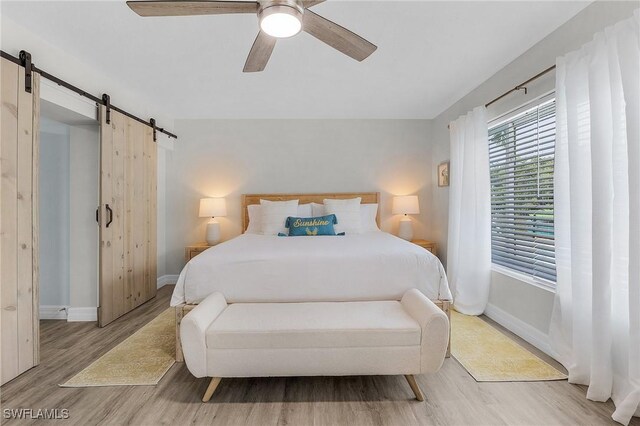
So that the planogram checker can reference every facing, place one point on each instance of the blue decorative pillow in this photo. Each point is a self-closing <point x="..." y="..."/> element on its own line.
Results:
<point x="310" y="226"/>
<point x="339" y="234"/>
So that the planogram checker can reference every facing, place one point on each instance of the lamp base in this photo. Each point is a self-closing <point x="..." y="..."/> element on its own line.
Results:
<point x="405" y="230"/>
<point x="213" y="232"/>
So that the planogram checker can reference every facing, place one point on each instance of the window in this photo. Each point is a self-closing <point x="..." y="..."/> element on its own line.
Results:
<point x="521" y="160"/>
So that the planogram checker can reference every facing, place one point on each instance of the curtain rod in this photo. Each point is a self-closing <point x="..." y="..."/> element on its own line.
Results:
<point x="520" y="86"/>
<point x="100" y="101"/>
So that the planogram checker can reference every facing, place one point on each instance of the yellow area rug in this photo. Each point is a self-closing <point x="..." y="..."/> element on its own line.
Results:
<point x="142" y="359"/>
<point x="491" y="356"/>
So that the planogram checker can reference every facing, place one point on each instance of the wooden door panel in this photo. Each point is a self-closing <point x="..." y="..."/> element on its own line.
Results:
<point x="35" y="214"/>
<point x="117" y="227"/>
<point x="9" y="218"/>
<point x="25" y="226"/>
<point x="19" y="134"/>
<point x="106" y="257"/>
<point x="129" y="244"/>
<point x="151" y="158"/>
<point x="136" y="216"/>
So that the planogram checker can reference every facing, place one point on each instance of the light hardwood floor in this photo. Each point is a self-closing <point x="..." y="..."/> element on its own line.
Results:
<point x="452" y="396"/>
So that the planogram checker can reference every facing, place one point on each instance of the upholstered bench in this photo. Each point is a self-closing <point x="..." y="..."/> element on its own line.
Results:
<point x="314" y="339"/>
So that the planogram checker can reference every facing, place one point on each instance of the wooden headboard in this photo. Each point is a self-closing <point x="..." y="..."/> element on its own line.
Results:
<point x="249" y="199"/>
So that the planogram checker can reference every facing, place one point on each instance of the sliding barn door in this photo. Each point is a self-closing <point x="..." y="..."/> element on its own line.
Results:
<point x="19" y="325"/>
<point x="127" y="217"/>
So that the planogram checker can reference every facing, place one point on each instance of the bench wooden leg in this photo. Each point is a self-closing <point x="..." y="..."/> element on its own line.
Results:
<point x="213" y="384"/>
<point x="414" y="387"/>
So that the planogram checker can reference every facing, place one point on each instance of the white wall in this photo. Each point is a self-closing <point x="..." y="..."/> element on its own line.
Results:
<point x="524" y="302"/>
<point x="84" y="166"/>
<point x="65" y="65"/>
<point x="228" y="158"/>
<point x="165" y="145"/>
<point x="54" y="214"/>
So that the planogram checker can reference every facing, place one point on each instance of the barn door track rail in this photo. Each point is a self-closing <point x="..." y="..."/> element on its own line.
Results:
<point x="25" y="61"/>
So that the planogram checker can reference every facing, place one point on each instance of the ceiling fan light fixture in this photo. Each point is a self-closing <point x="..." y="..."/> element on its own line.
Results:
<point x="277" y="19"/>
<point x="281" y="21"/>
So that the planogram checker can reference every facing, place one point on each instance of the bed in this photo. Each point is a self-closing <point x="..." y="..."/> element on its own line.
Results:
<point x="259" y="268"/>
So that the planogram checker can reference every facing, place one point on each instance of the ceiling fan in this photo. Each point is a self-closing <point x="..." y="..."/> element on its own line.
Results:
<point x="277" y="18"/>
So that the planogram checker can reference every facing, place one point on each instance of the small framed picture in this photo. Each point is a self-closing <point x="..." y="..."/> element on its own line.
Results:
<point x="443" y="174"/>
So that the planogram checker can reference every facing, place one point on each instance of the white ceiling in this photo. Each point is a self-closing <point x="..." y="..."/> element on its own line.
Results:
<point x="429" y="55"/>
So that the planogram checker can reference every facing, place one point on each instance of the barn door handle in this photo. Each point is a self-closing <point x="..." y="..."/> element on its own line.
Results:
<point x="98" y="215"/>
<point x="110" y="215"/>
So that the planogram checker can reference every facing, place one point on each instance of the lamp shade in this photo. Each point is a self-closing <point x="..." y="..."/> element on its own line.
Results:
<point x="407" y="204"/>
<point x="213" y="207"/>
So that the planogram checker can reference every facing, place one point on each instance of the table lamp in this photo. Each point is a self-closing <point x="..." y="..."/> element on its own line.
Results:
<point x="213" y="207"/>
<point x="406" y="205"/>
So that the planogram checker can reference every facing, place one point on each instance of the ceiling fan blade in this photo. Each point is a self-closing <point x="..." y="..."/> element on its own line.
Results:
<point x="339" y="38"/>
<point x="188" y="8"/>
<point x="309" y="3"/>
<point x="260" y="53"/>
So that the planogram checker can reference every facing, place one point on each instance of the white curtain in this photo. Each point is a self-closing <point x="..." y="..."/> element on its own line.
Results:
<point x="595" y="327"/>
<point x="469" y="241"/>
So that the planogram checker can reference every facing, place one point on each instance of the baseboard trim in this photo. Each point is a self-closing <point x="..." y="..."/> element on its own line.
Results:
<point x="82" y="314"/>
<point x="167" y="279"/>
<point x="515" y="325"/>
<point x="53" y="312"/>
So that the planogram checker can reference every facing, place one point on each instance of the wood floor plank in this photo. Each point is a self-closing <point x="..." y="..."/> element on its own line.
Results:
<point x="453" y="397"/>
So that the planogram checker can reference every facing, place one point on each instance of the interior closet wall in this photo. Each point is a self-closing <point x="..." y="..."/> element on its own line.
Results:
<point x="84" y="163"/>
<point x="54" y="220"/>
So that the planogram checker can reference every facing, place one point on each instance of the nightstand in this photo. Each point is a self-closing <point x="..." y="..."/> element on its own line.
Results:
<point x="192" y="251"/>
<point x="427" y="245"/>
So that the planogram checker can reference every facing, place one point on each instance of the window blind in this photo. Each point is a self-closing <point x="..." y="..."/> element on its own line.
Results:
<point x="521" y="157"/>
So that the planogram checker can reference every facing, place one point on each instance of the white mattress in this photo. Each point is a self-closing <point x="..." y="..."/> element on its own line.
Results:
<point x="261" y="268"/>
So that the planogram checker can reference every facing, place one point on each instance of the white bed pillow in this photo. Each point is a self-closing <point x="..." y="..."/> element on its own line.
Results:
<point x="368" y="213"/>
<point x="305" y="210"/>
<point x="347" y="212"/>
<point x="255" y="223"/>
<point x="274" y="214"/>
<point x="255" y="219"/>
<point x="317" y="209"/>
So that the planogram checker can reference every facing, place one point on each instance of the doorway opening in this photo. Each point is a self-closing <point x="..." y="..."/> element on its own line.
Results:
<point x="69" y="169"/>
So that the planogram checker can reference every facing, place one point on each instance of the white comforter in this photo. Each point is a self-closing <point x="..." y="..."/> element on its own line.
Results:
<point x="259" y="268"/>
